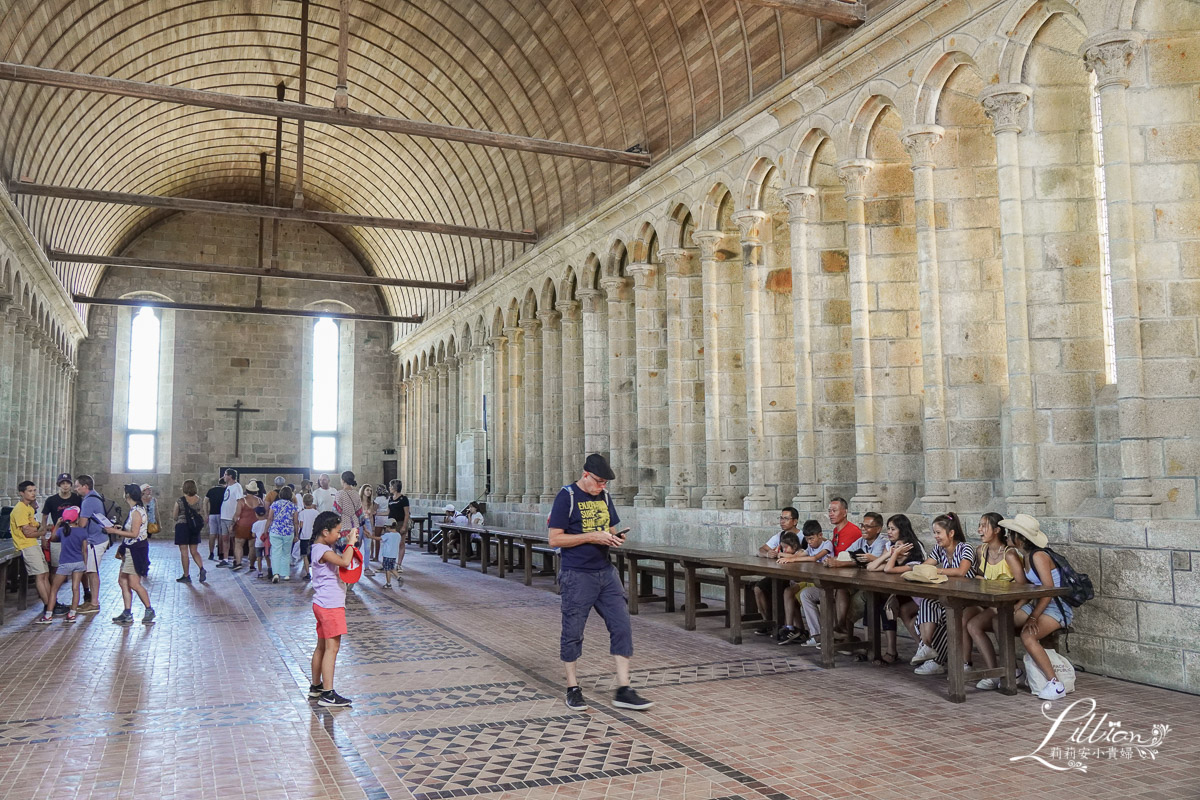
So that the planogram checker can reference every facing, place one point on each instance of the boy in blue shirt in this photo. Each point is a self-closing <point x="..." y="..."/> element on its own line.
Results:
<point x="583" y="524"/>
<point x="72" y="532"/>
<point x="389" y="553"/>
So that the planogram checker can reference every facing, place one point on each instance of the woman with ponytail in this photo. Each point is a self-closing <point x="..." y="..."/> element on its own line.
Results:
<point x="954" y="557"/>
<point x="998" y="561"/>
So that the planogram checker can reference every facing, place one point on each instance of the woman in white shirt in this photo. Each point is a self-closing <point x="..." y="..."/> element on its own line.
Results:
<point x="134" y="553"/>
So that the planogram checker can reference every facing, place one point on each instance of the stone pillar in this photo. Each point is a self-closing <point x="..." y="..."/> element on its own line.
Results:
<point x="572" y="391"/>
<point x="754" y="276"/>
<point x="1109" y="56"/>
<point x="44" y="412"/>
<point x="57" y="461"/>
<point x="809" y="498"/>
<point x="715" y="400"/>
<point x="515" y="415"/>
<point x="552" y="404"/>
<point x="534" y="486"/>
<point x="685" y="377"/>
<point x="497" y="429"/>
<point x="1004" y="104"/>
<point x="445" y="491"/>
<point x="919" y="142"/>
<point x="9" y="417"/>
<point x="854" y="175"/>
<point x="402" y="431"/>
<point x="595" y="376"/>
<point x="650" y="349"/>
<point x="452" y="428"/>
<point x="423" y="433"/>
<point x="437" y="430"/>
<point x="25" y="394"/>
<point x="622" y="388"/>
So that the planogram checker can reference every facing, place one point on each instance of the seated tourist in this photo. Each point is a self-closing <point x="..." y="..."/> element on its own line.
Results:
<point x="904" y="551"/>
<point x="788" y="518"/>
<point x="998" y="561"/>
<point x="1037" y="620"/>
<point x="820" y="551"/>
<point x="953" y="557"/>
<point x="866" y="547"/>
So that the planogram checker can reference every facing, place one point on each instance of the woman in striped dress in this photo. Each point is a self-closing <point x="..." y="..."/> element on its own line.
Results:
<point x="953" y="556"/>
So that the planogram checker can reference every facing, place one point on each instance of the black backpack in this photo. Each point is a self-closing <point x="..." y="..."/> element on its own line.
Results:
<point x="1079" y="583"/>
<point x="194" y="520"/>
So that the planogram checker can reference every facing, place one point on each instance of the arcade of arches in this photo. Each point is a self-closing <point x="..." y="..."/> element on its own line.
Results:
<point x="951" y="264"/>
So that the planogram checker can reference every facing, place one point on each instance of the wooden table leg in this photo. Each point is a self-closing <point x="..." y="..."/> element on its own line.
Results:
<point x="1006" y="638"/>
<point x="631" y="587"/>
<point x="733" y="602"/>
<point x="501" y="554"/>
<point x="691" y="596"/>
<point x="485" y="550"/>
<point x="669" y="586"/>
<point x="445" y="547"/>
<point x="954" y="655"/>
<point x="778" y="588"/>
<point x="528" y="558"/>
<point x="464" y="542"/>
<point x="873" y="632"/>
<point x="828" y="612"/>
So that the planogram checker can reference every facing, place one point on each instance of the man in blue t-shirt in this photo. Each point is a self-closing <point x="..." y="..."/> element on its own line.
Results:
<point x="583" y="525"/>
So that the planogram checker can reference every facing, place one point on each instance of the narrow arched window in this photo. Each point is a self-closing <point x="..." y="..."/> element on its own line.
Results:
<point x="325" y="394"/>
<point x="1101" y="187"/>
<point x="142" y="421"/>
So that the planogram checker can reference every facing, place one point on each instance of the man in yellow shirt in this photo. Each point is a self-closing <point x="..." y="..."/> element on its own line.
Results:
<point x="24" y="526"/>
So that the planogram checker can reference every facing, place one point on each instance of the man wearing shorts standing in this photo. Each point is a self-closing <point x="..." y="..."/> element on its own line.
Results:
<point x="229" y="501"/>
<point x="24" y="527"/>
<point x="215" y="497"/>
<point x="583" y="524"/>
<point x="97" y="538"/>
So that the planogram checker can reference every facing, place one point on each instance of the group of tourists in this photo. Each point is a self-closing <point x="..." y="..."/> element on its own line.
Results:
<point x="1008" y="550"/>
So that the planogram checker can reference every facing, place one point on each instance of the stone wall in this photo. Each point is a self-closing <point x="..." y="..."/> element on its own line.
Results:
<point x="951" y="266"/>
<point x="217" y="359"/>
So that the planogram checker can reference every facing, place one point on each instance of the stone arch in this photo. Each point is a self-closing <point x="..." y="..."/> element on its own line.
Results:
<point x="329" y="304"/>
<point x="756" y="181"/>
<point x="567" y="284"/>
<point x="451" y="347"/>
<point x="865" y="120"/>
<point x="616" y="260"/>
<point x="529" y="305"/>
<point x="680" y="226"/>
<point x="497" y="328"/>
<point x="512" y="315"/>
<point x="1023" y="23"/>
<point x="934" y="81"/>
<point x="547" y="298"/>
<point x="804" y="153"/>
<point x="718" y="200"/>
<point x="590" y="274"/>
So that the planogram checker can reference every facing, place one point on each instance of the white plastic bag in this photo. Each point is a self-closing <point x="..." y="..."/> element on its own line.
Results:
<point x="296" y="551"/>
<point x="1062" y="667"/>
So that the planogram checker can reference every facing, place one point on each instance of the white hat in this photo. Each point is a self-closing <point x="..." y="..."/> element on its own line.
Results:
<point x="448" y="507"/>
<point x="251" y="485"/>
<point x="925" y="573"/>
<point x="1028" y="527"/>
<point x="144" y="486"/>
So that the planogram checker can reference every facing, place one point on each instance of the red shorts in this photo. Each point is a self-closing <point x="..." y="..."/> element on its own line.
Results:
<point x="331" y="622"/>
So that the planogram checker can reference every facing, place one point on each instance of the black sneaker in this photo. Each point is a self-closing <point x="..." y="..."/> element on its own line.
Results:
<point x="184" y="579"/>
<point x="791" y="636"/>
<point x="332" y="699"/>
<point x="203" y="575"/>
<point x="61" y="610"/>
<point x="766" y="629"/>
<point x="315" y="690"/>
<point x="626" y="697"/>
<point x="212" y="557"/>
<point x="575" y="700"/>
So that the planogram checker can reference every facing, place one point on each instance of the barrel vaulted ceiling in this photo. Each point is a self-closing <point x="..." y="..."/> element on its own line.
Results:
<point x="609" y="73"/>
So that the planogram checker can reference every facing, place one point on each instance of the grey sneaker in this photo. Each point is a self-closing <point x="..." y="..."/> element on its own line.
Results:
<point x="124" y="618"/>
<point x="148" y="617"/>
<point x="575" y="700"/>
<point x="626" y="697"/>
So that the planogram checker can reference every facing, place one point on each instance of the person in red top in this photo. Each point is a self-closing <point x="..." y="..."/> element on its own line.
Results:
<point x="845" y="534"/>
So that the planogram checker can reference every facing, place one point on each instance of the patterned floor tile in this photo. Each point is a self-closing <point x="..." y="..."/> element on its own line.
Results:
<point x="463" y="739"/>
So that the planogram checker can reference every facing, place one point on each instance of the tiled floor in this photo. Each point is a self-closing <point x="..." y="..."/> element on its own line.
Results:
<point x="457" y="692"/>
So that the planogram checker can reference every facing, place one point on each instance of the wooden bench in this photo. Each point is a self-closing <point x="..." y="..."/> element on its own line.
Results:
<point x="12" y="567"/>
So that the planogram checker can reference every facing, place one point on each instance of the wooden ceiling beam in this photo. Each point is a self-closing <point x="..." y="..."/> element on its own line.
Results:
<point x="269" y="212"/>
<point x="250" y="272"/>
<point x="849" y="14"/>
<point x="23" y="73"/>
<point x="135" y="302"/>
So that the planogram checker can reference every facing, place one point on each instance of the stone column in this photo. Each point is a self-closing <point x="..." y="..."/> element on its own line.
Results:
<point x="437" y="430"/>
<point x="27" y="394"/>
<point x="572" y="390"/>
<point x="685" y="377"/>
<point x="423" y="432"/>
<point x="445" y="492"/>
<point x="452" y="427"/>
<point x="515" y="415"/>
<point x="44" y="412"/>
<point x="552" y="404"/>
<point x="854" y="175"/>
<point x="1004" y="105"/>
<point x="800" y="201"/>
<point x="715" y="400"/>
<point x="1109" y="56"/>
<point x="534" y="486"/>
<point x="919" y="142"/>
<point x="622" y="388"/>
<point x="595" y="376"/>
<point x="754" y="277"/>
<point x="497" y="430"/>
<point x="402" y="430"/>
<point x="57" y="462"/>
<point x="650" y="349"/>
<point x="9" y="417"/>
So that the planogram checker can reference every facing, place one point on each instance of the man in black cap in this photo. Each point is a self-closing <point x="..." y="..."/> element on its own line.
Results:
<point x="583" y="524"/>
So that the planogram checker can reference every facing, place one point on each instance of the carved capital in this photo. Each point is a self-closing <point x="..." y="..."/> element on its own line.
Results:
<point x="679" y="261"/>
<point x="514" y="335"/>
<point x="800" y="201"/>
<point x="530" y="326"/>
<point x="569" y="309"/>
<point x="1110" y="55"/>
<point x="497" y="342"/>
<point x="709" y="243"/>
<point x="644" y="275"/>
<point x="1004" y="104"/>
<point x="591" y="299"/>
<point x="750" y="222"/>
<point x="854" y="175"/>
<point x="919" y="143"/>
<point x="615" y="286"/>
<point x="452" y="363"/>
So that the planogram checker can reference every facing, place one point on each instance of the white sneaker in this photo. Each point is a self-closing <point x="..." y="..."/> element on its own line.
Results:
<point x="924" y="653"/>
<point x="812" y="642"/>
<point x="967" y="668"/>
<point x="1054" y="690"/>
<point x="930" y="667"/>
<point x="988" y="683"/>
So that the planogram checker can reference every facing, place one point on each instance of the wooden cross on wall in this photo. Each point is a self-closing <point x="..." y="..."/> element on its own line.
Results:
<point x="238" y="409"/>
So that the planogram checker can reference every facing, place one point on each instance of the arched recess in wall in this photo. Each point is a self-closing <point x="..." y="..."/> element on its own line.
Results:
<point x="652" y="435"/>
<point x="595" y="357"/>
<point x="569" y="304"/>
<point x="622" y="372"/>
<point x="138" y="422"/>
<point x="1066" y="258"/>
<point x="327" y="387"/>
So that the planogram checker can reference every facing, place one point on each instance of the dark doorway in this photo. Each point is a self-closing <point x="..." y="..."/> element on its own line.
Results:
<point x="389" y="472"/>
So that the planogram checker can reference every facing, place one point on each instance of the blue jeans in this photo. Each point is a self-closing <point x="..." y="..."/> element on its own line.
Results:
<point x="581" y="591"/>
<point x="281" y="555"/>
